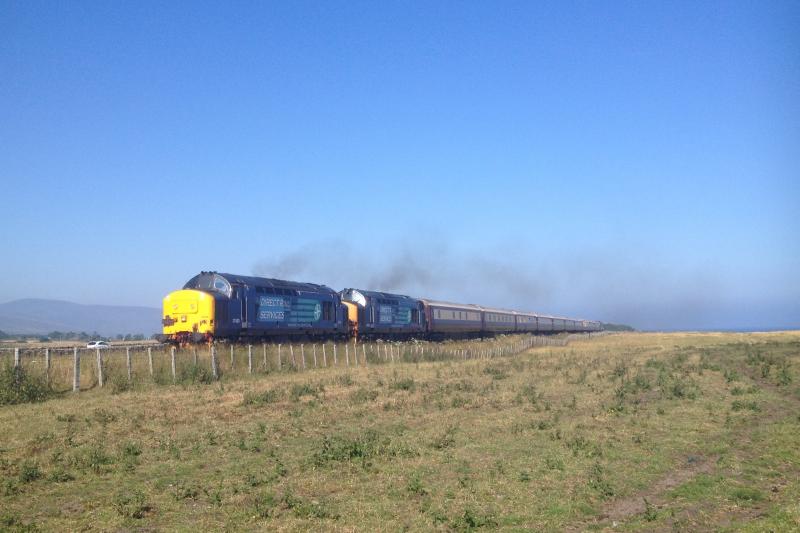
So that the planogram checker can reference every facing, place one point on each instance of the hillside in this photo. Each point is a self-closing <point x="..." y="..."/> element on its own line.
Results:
<point x="38" y="316"/>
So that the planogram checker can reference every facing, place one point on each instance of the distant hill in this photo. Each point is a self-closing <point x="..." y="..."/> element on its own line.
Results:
<point x="38" y="317"/>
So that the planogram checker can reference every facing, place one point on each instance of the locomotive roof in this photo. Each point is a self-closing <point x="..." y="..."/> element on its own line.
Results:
<point x="254" y="281"/>
<point x="379" y="294"/>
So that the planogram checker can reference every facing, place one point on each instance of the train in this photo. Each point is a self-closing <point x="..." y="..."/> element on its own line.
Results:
<point x="219" y="306"/>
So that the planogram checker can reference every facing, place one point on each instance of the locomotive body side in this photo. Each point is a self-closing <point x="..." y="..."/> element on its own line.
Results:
<point x="251" y="307"/>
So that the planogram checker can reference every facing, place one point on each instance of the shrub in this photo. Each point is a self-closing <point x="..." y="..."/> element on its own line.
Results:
<point x="29" y="471"/>
<point x="740" y="405"/>
<point x="554" y="463"/>
<point x="265" y="505"/>
<point x="415" y="485"/>
<point x="731" y="375"/>
<point x="131" y="503"/>
<point x="363" y="395"/>
<point x="261" y="398"/>
<point x="305" y="389"/>
<point x="495" y="372"/>
<point x="131" y="449"/>
<point x="470" y="520"/>
<point x="60" y="475"/>
<point x="12" y="522"/>
<point x="747" y="494"/>
<point x="196" y="374"/>
<point x="119" y="383"/>
<point x="17" y="386"/>
<point x="302" y="508"/>
<point x="598" y="482"/>
<point x="185" y="491"/>
<point x="403" y="384"/>
<point x="446" y="439"/>
<point x="94" y="458"/>
<point x="650" y="512"/>
<point x="345" y="380"/>
<point x="529" y="393"/>
<point x="363" y="446"/>
<point x="103" y="416"/>
<point x="784" y="377"/>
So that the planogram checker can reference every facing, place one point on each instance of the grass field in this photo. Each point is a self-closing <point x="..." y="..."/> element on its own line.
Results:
<point x="625" y="432"/>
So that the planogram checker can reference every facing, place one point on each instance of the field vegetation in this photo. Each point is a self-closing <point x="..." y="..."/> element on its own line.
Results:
<point x="625" y="432"/>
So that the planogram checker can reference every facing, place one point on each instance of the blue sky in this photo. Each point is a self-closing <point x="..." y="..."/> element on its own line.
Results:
<point x="635" y="162"/>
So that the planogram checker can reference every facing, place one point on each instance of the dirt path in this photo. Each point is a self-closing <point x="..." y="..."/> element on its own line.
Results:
<point x="618" y="511"/>
<point x="635" y="504"/>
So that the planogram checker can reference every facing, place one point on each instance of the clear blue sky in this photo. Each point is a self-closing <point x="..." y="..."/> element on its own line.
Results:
<point x="635" y="162"/>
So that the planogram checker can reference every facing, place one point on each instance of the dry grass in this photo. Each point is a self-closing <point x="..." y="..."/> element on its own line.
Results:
<point x="702" y="426"/>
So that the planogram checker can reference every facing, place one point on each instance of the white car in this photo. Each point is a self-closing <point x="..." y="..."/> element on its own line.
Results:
<point x="98" y="345"/>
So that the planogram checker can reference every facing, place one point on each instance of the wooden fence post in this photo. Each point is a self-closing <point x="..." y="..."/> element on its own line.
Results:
<point x="150" y="359"/>
<point x="303" y="355"/>
<point x="364" y="353"/>
<point x="315" y="356"/>
<point x="291" y="354"/>
<point x="231" y="356"/>
<point x="99" y="367"/>
<point x="324" y="356"/>
<point x="335" y="361"/>
<point x="355" y="352"/>
<point x="16" y="358"/>
<point x="391" y="352"/>
<point x="128" y="361"/>
<point x="279" y="356"/>
<point x="172" y="363"/>
<point x="347" y="353"/>
<point x="47" y="363"/>
<point x="264" y="350"/>
<point x="249" y="359"/>
<point x="214" y="363"/>
<point x="76" y="371"/>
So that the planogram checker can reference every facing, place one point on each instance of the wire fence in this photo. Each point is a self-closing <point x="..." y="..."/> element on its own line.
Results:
<point x="78" y="369"/>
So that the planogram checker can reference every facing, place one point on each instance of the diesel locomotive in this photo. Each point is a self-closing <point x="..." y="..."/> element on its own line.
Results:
<point x="215" y="305"/>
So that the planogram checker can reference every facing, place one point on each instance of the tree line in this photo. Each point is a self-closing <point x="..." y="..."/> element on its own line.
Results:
<point x="71" y="336"/>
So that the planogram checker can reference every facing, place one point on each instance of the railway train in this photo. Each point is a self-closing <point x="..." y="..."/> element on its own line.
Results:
<point x="215" y="305"/>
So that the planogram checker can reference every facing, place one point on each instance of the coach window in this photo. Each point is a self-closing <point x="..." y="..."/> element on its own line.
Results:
<point x="414" y="316"/>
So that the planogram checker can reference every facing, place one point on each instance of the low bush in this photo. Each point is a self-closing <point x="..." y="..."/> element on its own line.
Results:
<point x="18" y="386"/>
<point x="131" y="504"/>
<point x="403" y="384"/>
<point x="261" y="398"/>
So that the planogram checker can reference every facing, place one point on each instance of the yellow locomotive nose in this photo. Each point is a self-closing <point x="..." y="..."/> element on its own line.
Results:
<point x="188" y="311"/>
